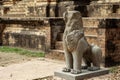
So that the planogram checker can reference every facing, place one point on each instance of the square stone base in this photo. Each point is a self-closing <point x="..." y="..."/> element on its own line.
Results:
<point x="84" y="75"/>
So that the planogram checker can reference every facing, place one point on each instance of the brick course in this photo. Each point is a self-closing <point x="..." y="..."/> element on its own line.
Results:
<point x="27" y="36"/>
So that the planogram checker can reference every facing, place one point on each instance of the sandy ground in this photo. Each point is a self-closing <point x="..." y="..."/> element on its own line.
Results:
<point x="34" y="69"/>
<point x="12" y="58"/>
<point x="18" y="67"/>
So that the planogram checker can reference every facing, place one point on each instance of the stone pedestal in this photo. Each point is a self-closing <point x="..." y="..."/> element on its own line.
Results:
<point x="84" y="75"/>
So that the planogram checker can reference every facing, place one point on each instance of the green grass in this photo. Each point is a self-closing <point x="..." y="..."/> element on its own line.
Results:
<point x="21" y="51"/>
<point x="114" y="69"/>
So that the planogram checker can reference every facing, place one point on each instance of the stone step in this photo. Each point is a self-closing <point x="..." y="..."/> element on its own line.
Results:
<point x="91" y="22"/>
<point x="89" y="2"/>
<point x="92" y="10"/>
<point x="91" y="36"/>
<point x="41" y="3"/>
<point x="30" y="0"/>
<point x="17" y="13"/>
<point x="21" y="4"/>
<point x="56" y="54"/>
<point x="18" y="6"/>
<point x="60" y="37"/>
<point x="17" y="10"/>
<point x="105" y="1"/>
<point x="90" y="31"/>
<point x="13" y="7"/>
<point x="97" y="1"/>
<point x="14" y="15"/>
<point x="99" y="22"/>
<point x="103" y="10"/>
<point x="92" y="39"/>
<point x="115" y="15"/>
<point x="7" y="2"/>
<point x="59" y="45"/>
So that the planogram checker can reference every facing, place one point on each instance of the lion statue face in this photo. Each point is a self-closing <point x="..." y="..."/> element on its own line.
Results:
<point x="73" y="21"/>
<point x="72" y="15"/>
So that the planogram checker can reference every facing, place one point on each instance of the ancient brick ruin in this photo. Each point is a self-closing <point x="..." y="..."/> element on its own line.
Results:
<point x="39" y="25"/>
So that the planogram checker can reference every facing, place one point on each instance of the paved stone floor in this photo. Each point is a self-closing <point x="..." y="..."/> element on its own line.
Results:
<point x="36" y="68"/>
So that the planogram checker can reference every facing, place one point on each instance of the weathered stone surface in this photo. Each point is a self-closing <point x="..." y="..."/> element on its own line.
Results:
<point x="107" y="1"/>
<point x="100" y="10"/>
<point x="59" y="45"/>
<point x="76" y="46"/>
<point x="56" y="54"/>
<point x="2" y="27"/>
<point x="113" y="44"/>
<point x="91" y="22"/>
<point x="57" y="27"/>
<point x="98" y="17"/>
<point x="107" y="35"/>
<point x="91" y="31"/>
<point x="107" y="22"/>
<point x="55" y="8"/>
<point x="27" y="36"/>
<point x="84" y="75"/>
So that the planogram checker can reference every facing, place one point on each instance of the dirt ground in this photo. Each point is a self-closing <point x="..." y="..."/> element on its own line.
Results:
<point x="11" y="58"/>
<point x="7" y="59"/>
<point x="19" y="67"/>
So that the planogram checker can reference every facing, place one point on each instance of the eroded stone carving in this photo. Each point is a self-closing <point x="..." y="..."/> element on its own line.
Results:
<point x="76" y="46"/>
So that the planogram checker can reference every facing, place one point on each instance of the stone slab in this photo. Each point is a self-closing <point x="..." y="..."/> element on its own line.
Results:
<point x="84" y="75"/>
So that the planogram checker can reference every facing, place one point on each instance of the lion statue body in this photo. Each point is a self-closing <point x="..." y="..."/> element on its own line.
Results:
<point x="76" y="46"/>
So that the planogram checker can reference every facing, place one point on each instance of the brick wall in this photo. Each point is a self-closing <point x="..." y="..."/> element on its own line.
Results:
<point x="106" y="34"/>
<point x="29" y="36"/>
<point x="112" y="46"/>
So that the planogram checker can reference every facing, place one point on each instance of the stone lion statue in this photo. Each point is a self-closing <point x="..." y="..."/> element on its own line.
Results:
<point x="76" y="46"/>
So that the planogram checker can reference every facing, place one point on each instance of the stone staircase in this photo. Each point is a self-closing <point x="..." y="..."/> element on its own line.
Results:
<point x="99" y="34"/>
<point x="20" y="8"/>
<point x="25" y="8"/>
<point x="101" y="21"/>
<point x="7" y="2"/>
<point x="100" y="8"/>
<point x="101" y="24"/>
<point x="17" y="10"/>
<point x="91" y="32"/>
